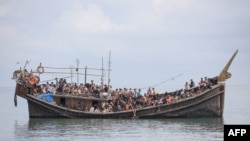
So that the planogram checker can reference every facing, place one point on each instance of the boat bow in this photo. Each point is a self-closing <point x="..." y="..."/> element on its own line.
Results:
<point x="224" y="73"/>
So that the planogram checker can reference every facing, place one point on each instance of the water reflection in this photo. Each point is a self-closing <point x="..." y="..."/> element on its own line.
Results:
<point x="121" y="129"/>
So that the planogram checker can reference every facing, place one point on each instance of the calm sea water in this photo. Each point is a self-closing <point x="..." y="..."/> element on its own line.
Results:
<point x="16" y="125"/>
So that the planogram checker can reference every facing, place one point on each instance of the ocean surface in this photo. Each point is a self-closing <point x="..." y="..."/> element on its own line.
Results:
<point x="15" y="124"/>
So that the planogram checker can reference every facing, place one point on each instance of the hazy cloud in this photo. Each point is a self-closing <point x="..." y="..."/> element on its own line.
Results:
<point x="149" y="39"/>
<point x="85" y="18"/>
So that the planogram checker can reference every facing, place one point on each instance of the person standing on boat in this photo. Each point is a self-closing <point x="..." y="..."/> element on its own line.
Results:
<point x="101" y="86"/>
<point x="47" y="85"/>
<point x="137" y="93"/>
<point x="186" y="86"/>
<point x="93" y="86"/>
<point x="106" y="88"/>
<point x="57" y="82"/>
<point x="192" y="84"/>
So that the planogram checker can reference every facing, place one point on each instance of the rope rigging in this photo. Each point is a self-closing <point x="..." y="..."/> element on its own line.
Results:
<point x="71" y="71"/>
<point x="72" y="68"/>
<point x="158" y="84"/>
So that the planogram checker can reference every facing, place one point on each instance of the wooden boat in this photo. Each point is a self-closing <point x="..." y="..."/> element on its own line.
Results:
<point x="199" y="101"/>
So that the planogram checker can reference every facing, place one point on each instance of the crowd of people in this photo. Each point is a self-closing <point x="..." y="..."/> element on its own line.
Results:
<point x="61" y="86"/>
<point x="122" y="99"/>
<point x="119" y="99"/>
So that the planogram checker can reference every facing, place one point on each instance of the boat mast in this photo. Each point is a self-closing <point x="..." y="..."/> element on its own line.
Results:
<point x="77" y="67"/>
<point x="109" y="69"/>
<point x="71" y="74"/>
<point x="85" y="75"/>
<point x="102" y="72"/>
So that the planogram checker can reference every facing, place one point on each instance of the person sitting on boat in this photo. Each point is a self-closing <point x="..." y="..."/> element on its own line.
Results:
<point x="54" y="89"/>
<point x="65" y="89"/>
<point x="97" y="110"/>
<point x="149" y="92"/>
<point x="169" y="99"/>
<point x="139" y="101"/>
<point x="110" y="107"/>
<point x="144" y="100"/>
<point x="130" y="93"/>
<point x="77" y="90"/>
<point x="160" y="102"/>
<point x="176" y="98"/>
<point x="207" y="82"/>
<point x="115" y="93"/>
<point x="51" y="88"/>
<point x="201" y="84"/>
<point x="43" y="88"/>
<point x="202" y="81"/>
<point x="133" y="107"/>
<point x="122" y="104"/>
<point x="74" y="89"/>
<point x="154" y="92"/>
<point x="120" y="91"/>
<point x="92" y="109"/>
<point x="125" y="94"/>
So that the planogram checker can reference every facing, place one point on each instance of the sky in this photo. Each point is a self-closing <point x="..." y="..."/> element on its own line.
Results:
<point x="149" y="41"/>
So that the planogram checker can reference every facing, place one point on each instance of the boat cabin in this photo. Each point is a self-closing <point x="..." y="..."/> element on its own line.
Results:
<point x="78" y="102"/>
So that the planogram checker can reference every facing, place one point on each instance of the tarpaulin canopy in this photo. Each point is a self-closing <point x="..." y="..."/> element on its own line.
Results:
<point x="46" y="96"/>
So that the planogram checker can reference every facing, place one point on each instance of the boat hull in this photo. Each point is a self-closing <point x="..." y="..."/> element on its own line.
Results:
<point x="207" y="104"/>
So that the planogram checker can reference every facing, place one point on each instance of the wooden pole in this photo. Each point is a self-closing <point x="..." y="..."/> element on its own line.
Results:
<point x="85" y="75"/>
